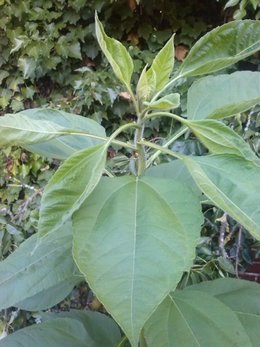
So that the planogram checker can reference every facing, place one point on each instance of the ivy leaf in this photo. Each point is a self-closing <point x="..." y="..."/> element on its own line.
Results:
<point x="117" y="55"/>
<point x="222" y="47"/>
<point x="70" y="186"/>
<point x="120" y="232"/>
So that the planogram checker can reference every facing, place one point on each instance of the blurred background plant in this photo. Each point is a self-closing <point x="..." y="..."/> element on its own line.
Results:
<point x="50" y="58"/>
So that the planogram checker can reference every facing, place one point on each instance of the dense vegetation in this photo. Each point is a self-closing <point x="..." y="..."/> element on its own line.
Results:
<point x="70" y="74"/>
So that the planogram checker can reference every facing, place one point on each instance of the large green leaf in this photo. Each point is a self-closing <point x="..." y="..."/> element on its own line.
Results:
<point x="63" y="147"/>
<point x="29" y="271"/>
<point x="242" y="297"/>
<point x="121" y="231"/>
<point x="220" y="139"/>
<point x="117" y="55"/>
<point x="49" y="297"/>
<point x="162" y="65"/>
<point x="224" y="95"/>
<point x="20" y="130"/>
<point x="69" y="187"/>
<point x="194" y="319"/>
<point x="231" y="183"/>
<point x="79" y="329"/>
<point x="221" y="47"/>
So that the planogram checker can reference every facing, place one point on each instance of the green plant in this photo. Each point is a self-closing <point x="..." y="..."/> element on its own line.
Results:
<point x="134" y="236"/>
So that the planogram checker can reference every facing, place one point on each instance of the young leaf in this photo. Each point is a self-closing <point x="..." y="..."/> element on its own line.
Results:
<point x="167" y="102"/>
<point x="33" y="272"/>
<point x="63" y="147"/>
<point x="162" y="65"/>
<point x="117" y="55"/>
<point x="231" y="183"/>
<point x="121" y="231"/>
<point x="222" y="96"/>
<point x="220" y="139"/>
<point x="192" y="318"/>
<point x="70" y="186"/>
<point x="79" y="329"/>
<point x="146" y="85"/>
<point x="19" y="130"/>
<point x="221" y="47"/>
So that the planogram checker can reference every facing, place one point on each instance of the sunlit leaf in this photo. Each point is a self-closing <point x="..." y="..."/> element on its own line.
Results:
<point x="167" y="102"/>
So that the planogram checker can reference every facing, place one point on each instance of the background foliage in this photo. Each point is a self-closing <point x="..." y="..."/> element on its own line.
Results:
<point x="50" y="57"/>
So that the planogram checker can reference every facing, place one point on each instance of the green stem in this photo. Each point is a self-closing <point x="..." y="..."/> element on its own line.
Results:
<point x="82" y="133"/>
<point x="141" y="163"/>
<point x="165" y="87"/>
<point x="135" y="102"/>
<point x="119" y="130"/>
<point x="166" y="114"/>
<point x="168" y="143"/>
<point x="161" y="149"/>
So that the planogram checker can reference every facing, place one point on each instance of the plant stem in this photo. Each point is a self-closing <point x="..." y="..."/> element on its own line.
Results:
<point x="168" y="143"/>
<point x="120" y="129"/>
<point x="166" y="114"/>
<point x="161" y="149"/>
<point x="141" y="162"/>
<point x="165" y="87"/>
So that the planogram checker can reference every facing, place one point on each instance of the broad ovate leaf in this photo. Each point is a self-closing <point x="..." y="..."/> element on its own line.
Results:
<point x="70" y="186"/>
<point x="239" y="295"/>
<point x="63" y="147"/>
<point x="79" y="329"/>
<point x="29" y="271"/>
<point x="117" y="55"/>
<point x="222" y="96"/>
<point x="222" y="47"/>
<point x="220" y="139"/>
<point x="20" y="130"/>
<point x="168" y="102"/>
<point x="232" y="183"/>
<point x="162" y="65"/>
<point x="146" y="85"/>
<point x="121" y="231"/>
<point x="192" y="318"/>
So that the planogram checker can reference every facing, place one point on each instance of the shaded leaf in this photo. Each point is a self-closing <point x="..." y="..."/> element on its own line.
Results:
<point x="33" y="271"/>
<point x="222" y="96"/>
<point x="221" y="47"/>
<point x="117" y="55"/>
<point x="70" y="186"/>
<point x="63" y="147"/>
<point x="79" y="329"/>
<point x="121" y="231"/>
<point x="191" y="318"/>
<point x="231" y="183"/>
<point x="220" y="139"/>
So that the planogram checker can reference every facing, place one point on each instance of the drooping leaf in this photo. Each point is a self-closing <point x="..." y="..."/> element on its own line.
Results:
<point x="231" y="183"/>
<point x="63" y="147"/>
<point x="121" y="231"/>
<point x="19" y="130"/>
<point x="222" y="96"/>
<point x="239" y="295"/>
<point x="167" y="102"/>
<point x="192" y="318"/>
<point x="27" y="272"/>
<point x="221" y="47"/>
<point x="220" y="139"/>
<point x="70" y="186"/>
<point x="117" y="55"/>
<point x="48" y="297"/>
<point x="79" y="329"/>
<point x="162" y="65"/>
